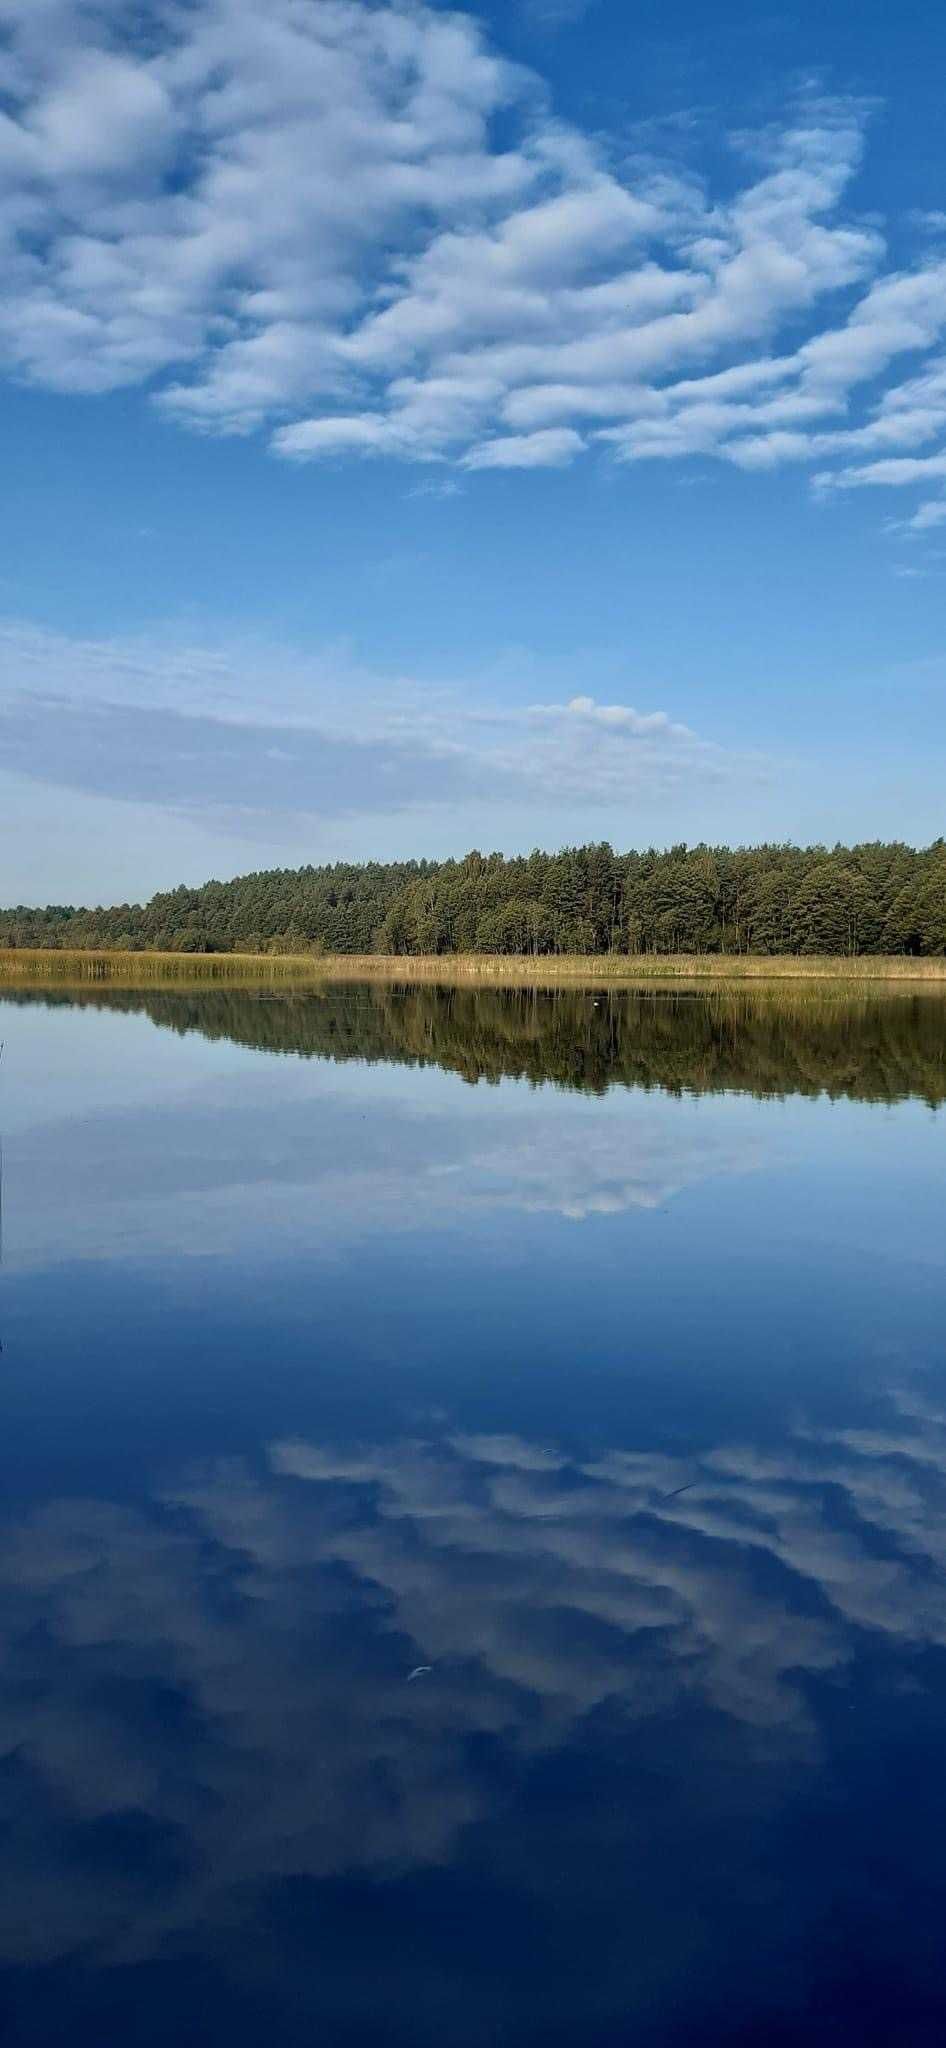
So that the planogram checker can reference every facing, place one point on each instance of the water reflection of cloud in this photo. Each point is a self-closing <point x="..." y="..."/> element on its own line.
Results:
<point x="255" y="1168"/>
<point x="225" y="1670"/>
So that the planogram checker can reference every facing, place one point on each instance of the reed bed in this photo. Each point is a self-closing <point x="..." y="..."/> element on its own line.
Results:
<point x="23" y="965"/>
<point x="184" y="970"/>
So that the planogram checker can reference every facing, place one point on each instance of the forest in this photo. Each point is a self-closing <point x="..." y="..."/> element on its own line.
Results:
<point x="874" y="898"/>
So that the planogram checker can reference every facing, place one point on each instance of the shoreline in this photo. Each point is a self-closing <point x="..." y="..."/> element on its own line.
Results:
<point x="21" y="966"/>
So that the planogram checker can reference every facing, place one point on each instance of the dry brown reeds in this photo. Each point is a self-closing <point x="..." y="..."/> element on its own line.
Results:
<point x="22" y="965"/>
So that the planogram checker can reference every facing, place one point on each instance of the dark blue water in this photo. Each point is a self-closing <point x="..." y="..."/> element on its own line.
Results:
<point x="473" y="1546"/>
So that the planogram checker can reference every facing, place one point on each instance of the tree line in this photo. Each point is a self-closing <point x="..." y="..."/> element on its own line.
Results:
<point x="773" y="899"/>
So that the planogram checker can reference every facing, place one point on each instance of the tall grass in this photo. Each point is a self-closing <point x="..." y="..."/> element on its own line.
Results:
<point x="75" y="964"/>
<point x="185" y="970"/>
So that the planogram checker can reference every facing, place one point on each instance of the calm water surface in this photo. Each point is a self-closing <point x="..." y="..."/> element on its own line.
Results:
<point x="473" y="1542"/>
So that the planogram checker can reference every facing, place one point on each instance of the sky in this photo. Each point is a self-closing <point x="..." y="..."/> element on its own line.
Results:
<point x="431" y="427"/>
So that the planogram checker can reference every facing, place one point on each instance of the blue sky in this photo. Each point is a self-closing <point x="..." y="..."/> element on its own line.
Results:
<point x="427" y="428"/>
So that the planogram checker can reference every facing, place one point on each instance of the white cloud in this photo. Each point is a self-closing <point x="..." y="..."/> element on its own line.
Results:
<point x="549" y="448"/>
<point x="360" y="228"/>
<point x="762" y="414"/>
<point x="619" y="719"/>
<point x="342" y="434"/>
<point x="933" y="513"/>
<point x="244" y="737"/>
<point x="893" y="472"/>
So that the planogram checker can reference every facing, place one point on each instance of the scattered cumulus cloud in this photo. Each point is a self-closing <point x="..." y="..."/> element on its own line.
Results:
<point x="894" y="470"/>
<point x="931" y="514"/>
<point x="362" y="231"/>
<point x="548" y="448"/>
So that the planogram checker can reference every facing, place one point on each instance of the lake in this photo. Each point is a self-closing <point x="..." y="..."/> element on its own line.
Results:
<point x="473" y="1547"/>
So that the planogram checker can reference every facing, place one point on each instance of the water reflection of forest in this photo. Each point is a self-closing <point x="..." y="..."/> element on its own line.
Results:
<point x="874" y="1049"/>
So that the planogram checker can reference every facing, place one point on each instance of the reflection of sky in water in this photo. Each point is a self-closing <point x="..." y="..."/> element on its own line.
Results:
<point x="253" y="1164"/>
<point x="624" y="1415"/>
<point x="122" y="1141"/>
<point x="207" y="1698"/>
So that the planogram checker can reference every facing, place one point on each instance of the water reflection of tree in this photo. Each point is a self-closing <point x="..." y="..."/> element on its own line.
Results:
<point x="871" y="1049"/>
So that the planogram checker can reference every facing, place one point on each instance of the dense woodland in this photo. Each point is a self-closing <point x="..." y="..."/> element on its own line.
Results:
<point x="866" y="1049"/>
<point x="873" y="898"/>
